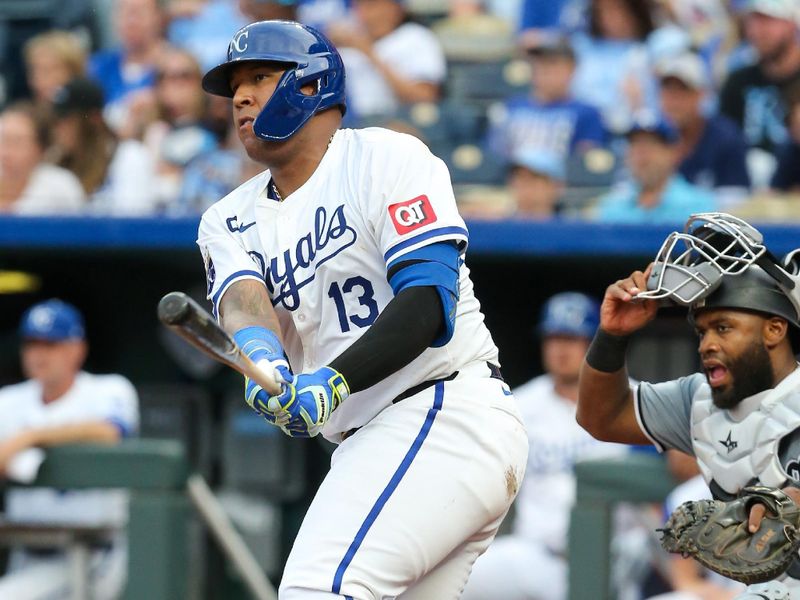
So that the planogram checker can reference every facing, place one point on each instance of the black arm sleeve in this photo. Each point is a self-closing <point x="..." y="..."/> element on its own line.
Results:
<point x="406" y="327"/>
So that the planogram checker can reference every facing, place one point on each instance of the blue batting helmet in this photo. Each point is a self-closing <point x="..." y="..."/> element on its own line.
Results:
<point x="570" y="313"/>
<point x="310" y="57"/>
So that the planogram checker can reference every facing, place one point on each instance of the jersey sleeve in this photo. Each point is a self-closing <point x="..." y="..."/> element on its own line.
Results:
<point x="664" y="412"/>
<point x="411" y="200"/>
<point x="120" y="404"/>
<point x="225" y="258"/>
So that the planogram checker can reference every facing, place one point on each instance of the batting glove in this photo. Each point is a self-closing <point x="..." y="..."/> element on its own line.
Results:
<point x="309" y="400"/>
<point x="264" y="348"/>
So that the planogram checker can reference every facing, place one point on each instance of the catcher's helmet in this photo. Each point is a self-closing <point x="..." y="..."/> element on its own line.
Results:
<point x="310" y="58"/>
<point x="570" y="313"/>
<point x="752" y="290"/>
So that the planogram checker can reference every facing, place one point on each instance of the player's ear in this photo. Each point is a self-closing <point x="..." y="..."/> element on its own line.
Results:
<point x="774" y="331"/>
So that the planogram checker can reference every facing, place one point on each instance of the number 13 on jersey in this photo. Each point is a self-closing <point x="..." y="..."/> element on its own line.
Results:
<point x="358" y="290"/>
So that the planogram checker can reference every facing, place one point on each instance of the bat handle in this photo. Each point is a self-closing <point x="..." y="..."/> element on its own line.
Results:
<point x="263" y="379"/>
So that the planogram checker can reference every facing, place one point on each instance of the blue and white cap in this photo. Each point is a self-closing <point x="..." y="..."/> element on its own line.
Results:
<point x="570" y="313"/>
<point x="53" y="321"/>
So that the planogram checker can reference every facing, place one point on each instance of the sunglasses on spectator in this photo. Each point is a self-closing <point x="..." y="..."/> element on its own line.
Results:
<point x="185" y="75"/>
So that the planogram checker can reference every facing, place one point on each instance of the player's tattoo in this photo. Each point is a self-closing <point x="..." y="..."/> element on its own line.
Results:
<point x="246" y="303"/>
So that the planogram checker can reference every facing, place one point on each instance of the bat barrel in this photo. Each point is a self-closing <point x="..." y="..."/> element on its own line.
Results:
<point x="174" y="308"/>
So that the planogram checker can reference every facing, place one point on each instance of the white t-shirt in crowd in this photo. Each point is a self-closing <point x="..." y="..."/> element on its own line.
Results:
<point x="130" y="186"/>
<point x="411" y="50"/>
<point x="51" y="190"/>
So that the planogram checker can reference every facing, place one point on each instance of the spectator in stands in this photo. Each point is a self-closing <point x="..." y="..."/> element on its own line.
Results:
<point x="530" y="563"/>
<point x="655" y="192"/>
<point x="51" y="60"/>
<point x="712" y="149"/>
<point x="179" y="133"/>
<point x="614" y="71"/>
<point x="787" y="174"/>
<point x="118" y="175"/>
<point x="752" y="95"/>
<point x="536" y="181"/>
<point x="128" y="71"/>
<point x="547" y="119"/>
<point x="390" y="60"/>
<point x="61" y="404"/>
<point x="264" y="10"/>
<point x="204" y="28"/>
<point x="211" y="176"/>
<point x="28" y="185"/>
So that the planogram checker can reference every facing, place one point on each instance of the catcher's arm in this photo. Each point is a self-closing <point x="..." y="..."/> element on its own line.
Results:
<point x="605" y="402"/>
<point x="758" y="510"/>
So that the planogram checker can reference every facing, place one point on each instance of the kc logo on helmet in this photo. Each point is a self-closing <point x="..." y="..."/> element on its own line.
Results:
<point x="239" y="43"/>
<point x="412" y="214"/>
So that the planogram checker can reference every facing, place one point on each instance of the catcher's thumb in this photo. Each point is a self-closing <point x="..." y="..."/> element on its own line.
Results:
<point x="756" y="514"/>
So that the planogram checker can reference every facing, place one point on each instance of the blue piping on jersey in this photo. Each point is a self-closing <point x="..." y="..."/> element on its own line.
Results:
<point x="438" y="399"/>
<point x="230" y="279"/>
<point x="421" y="238"/>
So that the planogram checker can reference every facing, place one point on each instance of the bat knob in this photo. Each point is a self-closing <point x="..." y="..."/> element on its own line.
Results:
<point x="173" y="308"/>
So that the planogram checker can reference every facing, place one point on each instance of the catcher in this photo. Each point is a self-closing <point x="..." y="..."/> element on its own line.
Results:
<point x="740" y="416"/>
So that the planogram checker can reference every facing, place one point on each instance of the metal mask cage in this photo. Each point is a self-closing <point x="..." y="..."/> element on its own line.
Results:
<point x="690" y="265"/>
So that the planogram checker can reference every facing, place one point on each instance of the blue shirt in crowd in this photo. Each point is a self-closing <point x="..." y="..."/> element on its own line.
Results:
<point x="679" y="200"/>
<point x="719" y="158"/>
<point x="106" y="67"/>
<point x="558" y="127"/>
<point x="787" y="173"/>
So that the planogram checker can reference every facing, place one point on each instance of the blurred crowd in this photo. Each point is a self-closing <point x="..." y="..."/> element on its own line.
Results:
<point x="616" y="110"/>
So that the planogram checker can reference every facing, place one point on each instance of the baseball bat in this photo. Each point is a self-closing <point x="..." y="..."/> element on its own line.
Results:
<point x="192" y="322"/>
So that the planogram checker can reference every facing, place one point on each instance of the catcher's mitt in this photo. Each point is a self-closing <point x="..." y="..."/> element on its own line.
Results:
<point x="715" y="534"/>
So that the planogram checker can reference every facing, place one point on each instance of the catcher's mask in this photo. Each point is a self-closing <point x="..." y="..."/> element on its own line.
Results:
<point x="691" y="265"/>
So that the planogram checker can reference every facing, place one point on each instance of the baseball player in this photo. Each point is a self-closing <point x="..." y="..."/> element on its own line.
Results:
<point x="530" y="563"/>
<point x="61" y="404"/>
<point x="348" y="251"/>
<point x="739" y="415"/>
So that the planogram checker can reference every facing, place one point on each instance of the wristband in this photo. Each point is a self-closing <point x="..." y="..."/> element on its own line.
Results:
<point x="607" y="352"/>
<point x="258" y="341"/>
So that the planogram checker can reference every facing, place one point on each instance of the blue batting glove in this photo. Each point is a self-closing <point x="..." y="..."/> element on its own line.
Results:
<point x="264" y="348"/>
<point x="309" y="400"/>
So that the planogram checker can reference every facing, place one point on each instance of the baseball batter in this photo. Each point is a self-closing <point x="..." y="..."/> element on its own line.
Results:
<point x="348" y="252"/>
<point x="740" y="415"/>
<point x="61" y="404"/>
<point x="530" y="564"/>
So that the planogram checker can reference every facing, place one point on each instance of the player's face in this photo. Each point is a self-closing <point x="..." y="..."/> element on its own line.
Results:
<point x="52" y="363"/>
<point x="253" y="85"/>
<point x="562" y="356"/>
<point x="735" y="359"/>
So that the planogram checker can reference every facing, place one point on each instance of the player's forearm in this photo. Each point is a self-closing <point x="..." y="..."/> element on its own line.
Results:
<point x="247" y="304"/>
<point x="391" y="342"/>
<point x="89" y="432"/>
<point x="602" y="400"/>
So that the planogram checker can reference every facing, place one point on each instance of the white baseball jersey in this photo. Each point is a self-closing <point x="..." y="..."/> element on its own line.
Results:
<point x="323" y="255"/>
<point x="91" y="398"/>
<point x="31" y="576"/>
<point x="556" y="443"/>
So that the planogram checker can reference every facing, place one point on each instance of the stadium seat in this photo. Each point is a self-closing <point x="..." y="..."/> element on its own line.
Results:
<point x="483" y="83"/>
<point x="469" y="164"/>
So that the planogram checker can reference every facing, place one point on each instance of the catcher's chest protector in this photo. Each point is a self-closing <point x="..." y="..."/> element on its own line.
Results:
<point x="734" y="453"/>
